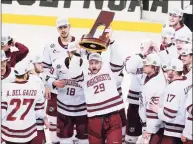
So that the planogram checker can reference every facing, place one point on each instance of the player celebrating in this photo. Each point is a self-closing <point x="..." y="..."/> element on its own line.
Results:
<point x="168" y="49"/>
<point x="172" y="110"/>
<point x="14" y="57"/>
<point x="151" y="93"/>
<point x="134" y="67"/>
<point x="182" y="40"/>
<point x="7" y="74"/>
<point x="53" y="51"/>
<point x="37" y="69"/>
<point x="176" y="21"/>
<point x="71" y="104"/>
<point x="186" y="57"/>
<point x="22" y="102"/>
<point x="102" y="98"/>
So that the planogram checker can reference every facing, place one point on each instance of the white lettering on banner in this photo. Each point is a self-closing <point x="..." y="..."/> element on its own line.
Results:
<point x="77" y="9"/>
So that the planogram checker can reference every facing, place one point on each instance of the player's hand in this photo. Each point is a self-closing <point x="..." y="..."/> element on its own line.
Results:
<point x="47" y="123"/>
<point x="47" y="93"/>
<point x="59" y="83"/>
<point x="109" y="32"/>
<point x="154" y="107"/>
<point x="146" y="135"/>
<point x="155" y="47"/>
<point x="183" y="139"/>
<point x="13" y="43"/>
<point x="146" y="47"/>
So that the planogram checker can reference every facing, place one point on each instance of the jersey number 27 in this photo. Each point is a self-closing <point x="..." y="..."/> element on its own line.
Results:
<point x="18" y="103"/>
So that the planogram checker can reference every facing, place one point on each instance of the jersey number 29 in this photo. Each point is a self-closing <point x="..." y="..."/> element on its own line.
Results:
<point x="18" y="104"/>
<point x="99" y="88"/>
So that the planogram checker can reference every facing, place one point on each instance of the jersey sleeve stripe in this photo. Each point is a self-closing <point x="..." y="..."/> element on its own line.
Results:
<point x="169" y="113"/>
<point x="120" y="91"/>
<point x="4" y="105"/>
<point x="79" y="78"/>
<point x="151" y="115"/>
<point x="46" y="65"/>
<point x="116" y="68"/>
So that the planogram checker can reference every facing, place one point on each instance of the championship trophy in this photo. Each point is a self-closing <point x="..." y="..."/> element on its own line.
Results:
<point x="89" y="42"/>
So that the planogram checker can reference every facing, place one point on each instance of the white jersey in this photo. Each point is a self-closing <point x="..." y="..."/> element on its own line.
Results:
<point x="70" y="99"/>
<point x="168" y="53"/>
<point x="134" y="67"/>
<point x="183" y="30"/>
<point x="53" y="51"/>
<point x="37" y="79"/>
<point x="173" y="110"/>
<point x="152" y="90"/>
<point x="9" y="76"/>
<point x="187" y="132"/>
<point x="100" y="89"/>
<point x="21" y="104"/>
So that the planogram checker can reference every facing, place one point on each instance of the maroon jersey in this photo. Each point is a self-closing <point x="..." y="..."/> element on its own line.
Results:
<point x="16" y="56"/>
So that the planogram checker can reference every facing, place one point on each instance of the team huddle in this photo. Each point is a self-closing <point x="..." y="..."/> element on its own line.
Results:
<point x="77" y="95"/>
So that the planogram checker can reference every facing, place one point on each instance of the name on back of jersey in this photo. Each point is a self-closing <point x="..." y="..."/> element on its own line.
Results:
<point x="21" y="92"/>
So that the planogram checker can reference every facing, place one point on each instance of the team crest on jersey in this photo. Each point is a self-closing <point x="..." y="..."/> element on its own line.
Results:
<point x="58" y="66"/>
<point x="52" y="45"/>
<point x="51" y="109"/>
<point x="131" y="129"/>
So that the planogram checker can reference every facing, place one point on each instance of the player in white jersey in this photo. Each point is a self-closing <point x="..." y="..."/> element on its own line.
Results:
<point x="71" y="104"/>
<point x="7" y="74"/>
<point x="36" y="70"/>
<point x="182" y="40"/>
<point x="172" y="108"/>
<point x="186" y="57"/>
<point x="54" y="50"/>
<point x="176" y="21"/>
<point x="134" y="67"/>
<point x="187" y="135"/>
<point x="168" y="49"/>
<point x="22" y="102"/>
<point x="153" y="87"/>
<point x="102" y="98"/>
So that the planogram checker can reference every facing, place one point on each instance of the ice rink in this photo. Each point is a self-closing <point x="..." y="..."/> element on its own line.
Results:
<point x="35" y="38"/>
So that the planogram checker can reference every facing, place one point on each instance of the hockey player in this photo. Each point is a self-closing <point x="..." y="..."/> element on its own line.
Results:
<point x="153" y="87"/>
<point x="14" y="57"/>
<point x="168" y="49"/>
<point x="172" y="109"/>
<point x="187" y="132"/>
<point x="53" y="51"/>
<point x="182" y="40"/>
<point x="37" y="69"/>
<point x="176" y="21"/>
<point x="22" y="102"/>
<point x="101" y="95"/>
<point x="71" y="104"/>
<point x="134" y="67"/>
<point x="186" y="57"/>
<point x="7" y="74"/>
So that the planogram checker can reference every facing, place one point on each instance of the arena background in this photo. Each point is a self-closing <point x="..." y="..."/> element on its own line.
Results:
<point x="33" y="22"/>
